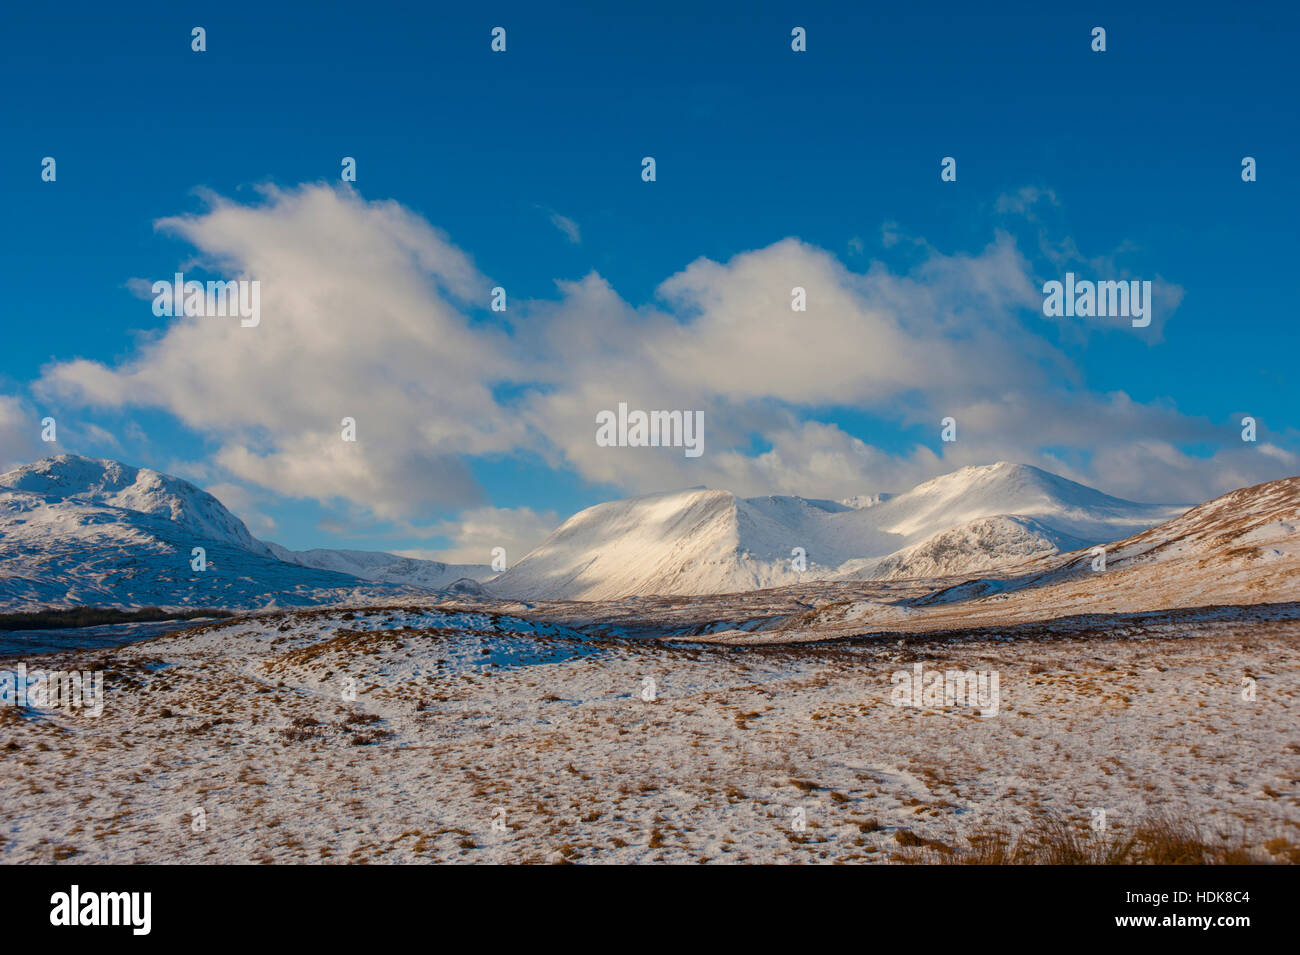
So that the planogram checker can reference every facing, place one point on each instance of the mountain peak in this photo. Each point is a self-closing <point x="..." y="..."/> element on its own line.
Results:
<point x="75" y="529"/>
<point x="63" y="474"/>
<point x="701" y="542"/>
<point x="72" y="479"/>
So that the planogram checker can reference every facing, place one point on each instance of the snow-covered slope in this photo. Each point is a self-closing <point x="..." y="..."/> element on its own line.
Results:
<point x="703" y="541"/>
<point x="69" y="485"/>
<point x="1064" y="506"/>
<point x="681" y="542"/>
<point x="80" y="531"/>
<point x="1242" y="546"/>
<point x="1236" y="550"/>
<point x="77" y="531"/>
<point x="981" y="544"/>
<point x="385" y="568"/>
<point x="866" y="500"/>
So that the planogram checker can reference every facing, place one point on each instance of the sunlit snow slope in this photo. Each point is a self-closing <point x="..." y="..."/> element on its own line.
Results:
<point x="708" y="541"/>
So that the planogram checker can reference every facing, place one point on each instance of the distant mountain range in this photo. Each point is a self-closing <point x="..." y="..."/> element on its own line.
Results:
<point x="78" y="531"/>
<point x="708" y="542"/>
<point x="385" y="568"/>
<point x="1236" y="557"/>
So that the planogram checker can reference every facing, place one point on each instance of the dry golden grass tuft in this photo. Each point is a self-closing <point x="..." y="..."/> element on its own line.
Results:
<point x="1161" y="838"/>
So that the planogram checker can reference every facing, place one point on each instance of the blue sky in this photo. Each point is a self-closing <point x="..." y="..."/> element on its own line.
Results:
<point x="1123" y="164"/>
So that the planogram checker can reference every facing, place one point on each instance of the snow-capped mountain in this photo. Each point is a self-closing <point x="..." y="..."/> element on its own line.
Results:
<point x="76" y="531"/>
<point x="1242" y="543"/>
<point x="385" y="568"/>
<point x="1238" y="549"/>
<point x="982" y="544"/>
<point x="866" y="500"/>
<point x="82" y="531"/>
<point x="695" y="541"/>
<point x="1065" y="506"/>
<point x="1234" y="558"/>
<point x="710" y="541"/>
<point x="57" y="492"/>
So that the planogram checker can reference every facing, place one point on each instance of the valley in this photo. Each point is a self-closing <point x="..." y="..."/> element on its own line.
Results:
<point x="700" y="703"/>
<point x="474" y="735"/>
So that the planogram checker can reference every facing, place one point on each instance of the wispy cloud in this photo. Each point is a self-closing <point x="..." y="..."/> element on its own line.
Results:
<point x="1023" y="200"/>
<point x="20" y="429"/>
<point x="477" y="532"/>
<point x="567" y="226"/>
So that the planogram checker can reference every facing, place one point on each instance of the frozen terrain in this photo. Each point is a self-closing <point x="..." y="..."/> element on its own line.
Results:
<point x="755" y="727"/>
<point x="483" y="736"/>
<point x="672" y="720"/>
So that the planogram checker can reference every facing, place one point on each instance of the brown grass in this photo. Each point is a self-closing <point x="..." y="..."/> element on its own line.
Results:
<point x="1161" y="838"/>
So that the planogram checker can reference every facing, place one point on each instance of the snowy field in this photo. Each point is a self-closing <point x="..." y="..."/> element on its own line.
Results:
<point x="1155" y="677"/>
<point x="479" y="735"/>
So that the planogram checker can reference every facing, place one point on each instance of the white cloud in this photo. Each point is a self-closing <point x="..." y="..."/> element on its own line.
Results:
<point x="478" y="531"/>
<point x="364" y="316"/>
<point x="368" y="312"/>
<point x="727" y="342"/>
<point x="821" y="456"/>
<point x="244" y="504"/>
<point x="20" y="429"/>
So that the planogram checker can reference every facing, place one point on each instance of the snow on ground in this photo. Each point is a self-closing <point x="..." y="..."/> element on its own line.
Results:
<point x="484" y="735"/>
<point x="418" y="727"/>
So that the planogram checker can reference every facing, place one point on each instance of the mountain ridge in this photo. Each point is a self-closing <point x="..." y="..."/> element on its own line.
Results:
<point x="702" y="541"/>
<point x="76" y="528"/>
<point x="383" y="567"/>
<point x="79" y="531"/>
